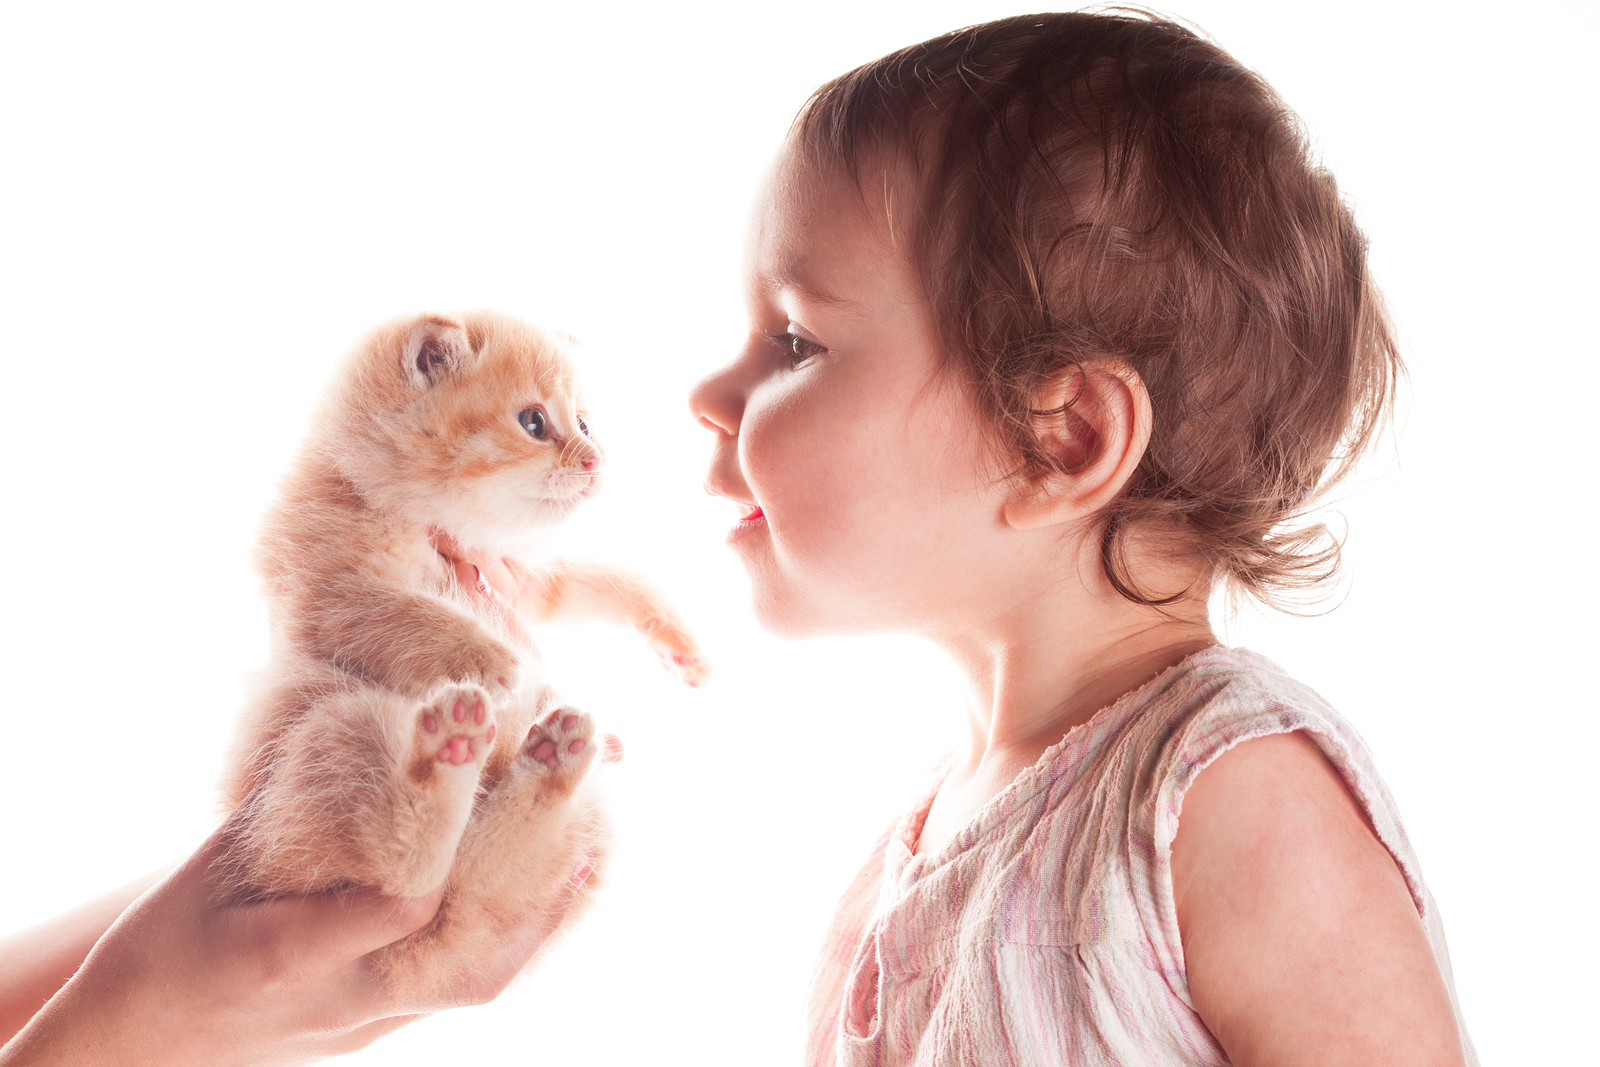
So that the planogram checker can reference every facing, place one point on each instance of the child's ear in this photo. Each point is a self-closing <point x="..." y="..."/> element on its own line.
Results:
<point x="436" y="349"/>
<point x="1095" y="418"/>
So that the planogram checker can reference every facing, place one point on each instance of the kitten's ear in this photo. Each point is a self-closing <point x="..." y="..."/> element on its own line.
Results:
<point x="436" y="349"/>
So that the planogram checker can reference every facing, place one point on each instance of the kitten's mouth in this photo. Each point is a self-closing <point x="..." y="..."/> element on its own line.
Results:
<point x="751" y="512"/>
<point x="573" y="489"/>
<point x="570" y="499"/>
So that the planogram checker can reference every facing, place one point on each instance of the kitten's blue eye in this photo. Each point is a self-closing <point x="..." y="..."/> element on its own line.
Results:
<point x="532" y="420"/>
<point x="798" y="349"/>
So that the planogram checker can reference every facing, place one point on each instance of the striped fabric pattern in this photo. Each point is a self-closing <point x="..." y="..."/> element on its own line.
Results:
<point x="1044" y="932"/>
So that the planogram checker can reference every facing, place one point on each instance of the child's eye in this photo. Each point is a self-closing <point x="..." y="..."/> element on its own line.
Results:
<point x="798" y="348"/>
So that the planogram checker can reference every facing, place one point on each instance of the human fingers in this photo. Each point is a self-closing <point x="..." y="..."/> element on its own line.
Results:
<point x="470" y="577"/>
<point x="324" y="931"/>
<point x="493" y="581"/>
<point x="338" y="926"/>
<point x="362" y="1036"/>
<point x="516" y="947"/>
<point x="444" y="544"/>
<point x="469" y="572"/>
<point x="501" y="580"/>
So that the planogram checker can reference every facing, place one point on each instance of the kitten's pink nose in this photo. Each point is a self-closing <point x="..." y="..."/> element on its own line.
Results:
<point x="588" y="463"/>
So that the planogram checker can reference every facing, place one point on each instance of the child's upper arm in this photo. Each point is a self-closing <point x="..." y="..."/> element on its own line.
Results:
<point x="1300" y="936"/>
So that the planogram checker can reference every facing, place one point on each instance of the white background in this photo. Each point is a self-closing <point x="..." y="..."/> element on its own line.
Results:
<point x="202" y="208"/>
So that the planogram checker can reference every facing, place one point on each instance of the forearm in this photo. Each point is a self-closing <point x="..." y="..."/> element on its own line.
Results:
<point x="36" y="962"/>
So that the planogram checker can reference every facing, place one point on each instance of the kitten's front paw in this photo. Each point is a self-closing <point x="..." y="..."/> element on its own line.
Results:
<point x="679" y="654"/>
<point x="456" y="726"/>
<point x="491" y="665"/>
<point x="560" y="747"/>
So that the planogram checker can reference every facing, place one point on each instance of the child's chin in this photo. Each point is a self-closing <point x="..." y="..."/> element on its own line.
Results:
<point x="784" y="615"/>
<point x="773" y="609"/>
<point x="783" y="625"/>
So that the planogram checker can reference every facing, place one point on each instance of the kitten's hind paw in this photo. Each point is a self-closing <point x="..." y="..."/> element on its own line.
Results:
<point x="561" y="747"/>
<point x="456" y="726"/>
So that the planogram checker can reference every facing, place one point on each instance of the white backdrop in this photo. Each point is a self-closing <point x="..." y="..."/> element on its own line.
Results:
<point x="202" y="207"/>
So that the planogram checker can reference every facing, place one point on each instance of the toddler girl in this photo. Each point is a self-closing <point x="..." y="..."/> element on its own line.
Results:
<point x="1055" y="329"/>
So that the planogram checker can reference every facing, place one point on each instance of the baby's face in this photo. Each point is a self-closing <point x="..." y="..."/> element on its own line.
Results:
<point x="857" y="464"/>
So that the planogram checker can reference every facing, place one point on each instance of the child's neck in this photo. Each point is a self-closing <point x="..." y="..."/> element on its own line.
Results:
<point x="1041" y="670"/>
<point x="1036" y="686"/>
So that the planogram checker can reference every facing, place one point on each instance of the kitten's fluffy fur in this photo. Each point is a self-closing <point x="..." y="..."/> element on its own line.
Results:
<point x="394" y="741"/>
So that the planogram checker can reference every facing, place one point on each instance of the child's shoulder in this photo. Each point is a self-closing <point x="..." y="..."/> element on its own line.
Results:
<point x="1227" y="690"/>
<point x="1183" y="721"/>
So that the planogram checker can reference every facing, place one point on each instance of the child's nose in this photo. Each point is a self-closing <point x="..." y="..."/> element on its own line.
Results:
<point x="716" y="402"/>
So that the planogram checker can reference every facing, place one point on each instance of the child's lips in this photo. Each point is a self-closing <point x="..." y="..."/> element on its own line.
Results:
<point x="751" y="518"/>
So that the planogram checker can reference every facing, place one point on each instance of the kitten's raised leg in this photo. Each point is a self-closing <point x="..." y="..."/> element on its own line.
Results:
<point x="530" y="851"/>
<point x="451" y="736"/>
<point x="369" y="788"/>
<point x="538" y="827"/>
<point x="567" y="588"/>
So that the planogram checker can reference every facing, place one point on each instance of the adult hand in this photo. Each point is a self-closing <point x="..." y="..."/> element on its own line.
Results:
<point x="180" y="979"/>
<point x="490" y="584"/>
<point x="495" y="587"/>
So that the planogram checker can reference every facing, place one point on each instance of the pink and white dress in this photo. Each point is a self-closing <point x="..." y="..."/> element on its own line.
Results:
<point x="1044" y="932"/>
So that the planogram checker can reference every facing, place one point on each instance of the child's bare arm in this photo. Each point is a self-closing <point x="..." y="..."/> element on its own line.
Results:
<point x="1302" y="942"/>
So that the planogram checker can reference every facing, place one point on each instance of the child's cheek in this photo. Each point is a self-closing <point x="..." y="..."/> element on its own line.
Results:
<point x="787" y="449"/>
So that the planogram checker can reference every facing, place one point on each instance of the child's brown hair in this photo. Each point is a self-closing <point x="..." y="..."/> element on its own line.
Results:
<point x="1090" y="187"/>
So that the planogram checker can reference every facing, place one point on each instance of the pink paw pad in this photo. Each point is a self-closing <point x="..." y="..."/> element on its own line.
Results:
<point x="560" y="738"/>
<point x="461" y="714"/>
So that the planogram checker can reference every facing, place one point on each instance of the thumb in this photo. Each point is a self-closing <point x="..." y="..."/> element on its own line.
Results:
<point x="298" y="930"/>
<point x="327" y="929"/>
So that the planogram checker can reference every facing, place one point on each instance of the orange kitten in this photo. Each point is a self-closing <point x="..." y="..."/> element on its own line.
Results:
<point x="403" y="737"/>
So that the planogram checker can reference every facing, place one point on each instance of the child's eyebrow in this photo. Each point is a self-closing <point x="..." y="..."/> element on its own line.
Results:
<point x="790" y="280"/>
